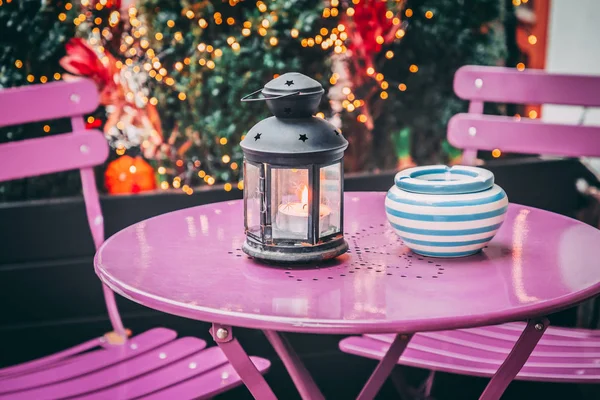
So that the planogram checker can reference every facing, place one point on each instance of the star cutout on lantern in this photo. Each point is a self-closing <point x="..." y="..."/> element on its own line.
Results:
<point x="303" y="137"/>
<point x="287" y="110"/>
<point x="289" y="83"/>
<point x="257" y="136"/>
<point x="337" y="133"/>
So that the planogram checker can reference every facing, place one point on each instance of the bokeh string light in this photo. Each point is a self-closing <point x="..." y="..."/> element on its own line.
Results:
<point x="139" y="55"/>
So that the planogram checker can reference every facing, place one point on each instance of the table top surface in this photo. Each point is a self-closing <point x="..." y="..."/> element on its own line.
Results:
<point x="189" y="263"/>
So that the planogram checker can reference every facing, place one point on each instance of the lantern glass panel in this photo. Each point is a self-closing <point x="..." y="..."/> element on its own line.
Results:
<point x="252" y="197"/>
<point x="289" y="203"/>
<point x="330" y="202"/>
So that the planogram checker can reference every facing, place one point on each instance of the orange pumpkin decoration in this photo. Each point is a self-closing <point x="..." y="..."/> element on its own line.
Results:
<point x="129" y="175"/>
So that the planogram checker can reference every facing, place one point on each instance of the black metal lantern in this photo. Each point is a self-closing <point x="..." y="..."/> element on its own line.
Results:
<point x="293" y="177"/>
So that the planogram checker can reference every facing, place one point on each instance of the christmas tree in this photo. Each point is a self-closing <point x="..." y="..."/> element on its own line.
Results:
<point x="205" y="57"/>
<point x="399" y="94"/>
<point x="388" y="67"/>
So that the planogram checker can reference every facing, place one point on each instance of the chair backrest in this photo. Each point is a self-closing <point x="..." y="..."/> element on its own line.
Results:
<point x="81" y="149"/>
<point x="474" y="131"/>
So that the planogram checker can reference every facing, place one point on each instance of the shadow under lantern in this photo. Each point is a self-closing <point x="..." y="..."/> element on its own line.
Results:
<point x="293" y="177"/>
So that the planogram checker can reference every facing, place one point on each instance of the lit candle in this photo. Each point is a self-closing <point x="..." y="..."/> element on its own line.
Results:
<point x="293" y="217"/>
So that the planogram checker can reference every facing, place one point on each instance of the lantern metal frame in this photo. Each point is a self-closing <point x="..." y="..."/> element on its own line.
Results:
<point x="273" y="144"/>
<point x="312" y="248"/>
<point x="294" y="250"/>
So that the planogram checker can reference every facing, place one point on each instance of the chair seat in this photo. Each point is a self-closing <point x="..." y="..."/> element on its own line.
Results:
<point x="562" y="355"/>
<point x="155" y="364"/>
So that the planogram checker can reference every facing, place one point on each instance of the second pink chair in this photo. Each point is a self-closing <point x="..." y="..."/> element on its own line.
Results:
<point x="563" y="354"/>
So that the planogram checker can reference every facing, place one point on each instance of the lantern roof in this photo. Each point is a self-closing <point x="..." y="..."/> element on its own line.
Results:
<point x="292" y="82"/>
<point x="293" y="136"/>
<point x="308" y="140"/>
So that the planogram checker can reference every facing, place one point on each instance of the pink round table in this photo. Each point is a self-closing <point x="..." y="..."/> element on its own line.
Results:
<point x="189" y="263"/>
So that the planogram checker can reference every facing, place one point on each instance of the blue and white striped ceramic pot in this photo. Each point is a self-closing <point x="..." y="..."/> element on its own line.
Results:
<point x="440" y="211"/>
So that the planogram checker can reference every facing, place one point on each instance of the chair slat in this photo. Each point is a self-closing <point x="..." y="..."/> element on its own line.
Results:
<point x="508" y="85"/>
<point x="52" y="154"/>
<point x="44" y="102"/>
<point x="90" y="362"/>
<point x="487" y="132"/>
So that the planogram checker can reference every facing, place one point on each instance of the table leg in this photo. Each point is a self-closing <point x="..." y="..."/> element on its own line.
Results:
<point x="300" y="376"/>
<point x="516" y="359"/>
<point x="385" y="367"/>
<point x="241" y="363"/>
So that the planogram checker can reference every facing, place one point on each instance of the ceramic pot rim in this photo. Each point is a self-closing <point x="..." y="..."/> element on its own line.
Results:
<point x="466" y="179"/>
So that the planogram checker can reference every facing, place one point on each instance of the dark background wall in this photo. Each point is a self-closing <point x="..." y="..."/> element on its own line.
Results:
<point x="50" y="297"/>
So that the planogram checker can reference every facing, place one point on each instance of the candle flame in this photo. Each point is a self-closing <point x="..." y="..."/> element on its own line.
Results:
<point x="305" y="195"/>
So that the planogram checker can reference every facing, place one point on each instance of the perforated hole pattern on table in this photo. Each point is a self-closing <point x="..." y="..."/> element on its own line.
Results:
<point x="373" y="250"/>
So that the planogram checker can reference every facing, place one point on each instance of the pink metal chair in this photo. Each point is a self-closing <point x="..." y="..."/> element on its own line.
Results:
<point x="154" y="363"/>
<point x="563" y="354"/>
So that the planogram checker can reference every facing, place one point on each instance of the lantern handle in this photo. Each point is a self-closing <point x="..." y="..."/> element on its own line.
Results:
<point x="247" y="97"/>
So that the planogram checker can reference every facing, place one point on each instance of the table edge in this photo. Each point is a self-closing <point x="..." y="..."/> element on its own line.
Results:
<point x="352" y="327"/>
<point x="299" y="325"/>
